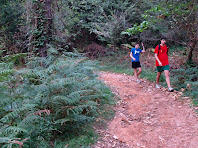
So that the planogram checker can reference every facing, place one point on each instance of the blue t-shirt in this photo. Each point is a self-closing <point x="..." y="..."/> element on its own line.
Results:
<point x="136" y="54"/>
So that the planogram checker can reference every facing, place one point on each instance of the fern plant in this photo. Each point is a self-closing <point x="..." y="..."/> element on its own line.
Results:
<point x="187" y="77"/>
<point x="51" y="98"/>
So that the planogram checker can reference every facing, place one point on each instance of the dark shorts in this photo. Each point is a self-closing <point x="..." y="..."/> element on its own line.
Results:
<point x="136" y="64"/>
<point x="162" y="68"/>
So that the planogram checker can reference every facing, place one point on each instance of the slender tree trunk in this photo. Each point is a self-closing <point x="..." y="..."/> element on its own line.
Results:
<point x="48" y="27"/>
<point x="195" y="36"/>
<point x="192" y="48"/>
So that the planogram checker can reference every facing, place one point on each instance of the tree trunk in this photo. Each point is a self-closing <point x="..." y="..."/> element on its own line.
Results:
<point x="48" y="27"/>
<point x="192" y="48"/>
<point x="42" y="26"/>
<point x="195" y="38"/>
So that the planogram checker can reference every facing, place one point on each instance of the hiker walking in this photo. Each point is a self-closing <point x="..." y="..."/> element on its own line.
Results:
<point x="135" y="55"/>
<point x="161" y="55"/>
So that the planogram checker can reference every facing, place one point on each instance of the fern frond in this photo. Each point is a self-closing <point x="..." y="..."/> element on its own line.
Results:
<point x="5" y="139"/>
<point x="60" y="144"/>
<point x="15" y="113"/>
<point x="14" y="129"/>
<point x="63" y="121"/>
<point x="6" y="72"/>
<point x="30" y="120"/>
<point x="65" y="99"/>
<point x="76" y="95"/>
<point x="91" y="97"/>
<point x="39" y="112"/>
<point x="61" y="82"/>
<point x="83" y="118"/>
<point x="89" y="107"/>
<point x="49" y="92"/>
<point x="3" y="128"/>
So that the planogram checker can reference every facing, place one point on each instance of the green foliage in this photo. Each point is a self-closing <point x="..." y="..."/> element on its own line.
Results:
<point x="39" y="25"/>
<point x="15" y="58"/>
<point x="127" y="46"/>
<point x="114" y="17"/>
<point x="149" y="74"/>
<point x="10" y="20"/>
<point x="116" y="63"/>
<point x="174" y="11"/>
<point x="105" y="19"/>
<point x="187" y="78"/>
<point x="66" y="16"/>
<point x="136" y="28"/>
<point x="176" y="19"/>
<point x="10" y="12"/>
<point x="49" y="100"/>
<point x="6" y="69"/>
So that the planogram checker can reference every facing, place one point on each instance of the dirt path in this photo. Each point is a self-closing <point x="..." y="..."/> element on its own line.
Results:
<point x="147" y="117"/>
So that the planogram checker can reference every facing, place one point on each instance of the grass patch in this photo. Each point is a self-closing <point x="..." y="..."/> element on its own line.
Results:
<point x="149" y="74"/>
<point x="116" y="63"/>
<point x="82" y="139"/>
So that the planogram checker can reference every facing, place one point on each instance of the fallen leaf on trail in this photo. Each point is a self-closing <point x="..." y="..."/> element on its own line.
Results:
<point x="114" y="144"/>
<point x="139" y="145"/>
<point x="125" y="121"/>
<point x="188" y="86"/>
<point x="161" y="139"/>
<point x="115" y="137"/>
<point x="122" y="141"/>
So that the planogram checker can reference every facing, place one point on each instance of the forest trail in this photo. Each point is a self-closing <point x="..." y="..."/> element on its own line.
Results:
<point x="147" y="117"/>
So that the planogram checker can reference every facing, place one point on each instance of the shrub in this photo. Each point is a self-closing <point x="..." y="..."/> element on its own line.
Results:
<point x="48" y="100"/>
<point x="187" y="78"/>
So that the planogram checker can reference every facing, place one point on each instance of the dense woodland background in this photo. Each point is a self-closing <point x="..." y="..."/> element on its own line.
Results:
<point x="50" y="50"/>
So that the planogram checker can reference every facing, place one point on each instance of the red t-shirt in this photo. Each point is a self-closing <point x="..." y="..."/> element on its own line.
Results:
<point x="163" y="56"/>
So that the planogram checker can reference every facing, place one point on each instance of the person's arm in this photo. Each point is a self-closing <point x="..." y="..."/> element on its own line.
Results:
<point x="143" y="47"/>
<point x="156" y="57"/>
<point x="131" y="55"/>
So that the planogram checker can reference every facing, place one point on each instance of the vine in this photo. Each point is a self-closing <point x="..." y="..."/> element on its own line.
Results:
<point x="41" y="22"/>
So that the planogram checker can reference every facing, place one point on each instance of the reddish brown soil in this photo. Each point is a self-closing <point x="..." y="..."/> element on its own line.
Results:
<point x="147" y="117"/>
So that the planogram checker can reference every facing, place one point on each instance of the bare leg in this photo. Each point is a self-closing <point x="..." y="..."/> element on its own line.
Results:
<point x="158" y="77"/>
<point x="166" y="72"/>
<point x="135" y="73"/>
<point x="140" y="69"/>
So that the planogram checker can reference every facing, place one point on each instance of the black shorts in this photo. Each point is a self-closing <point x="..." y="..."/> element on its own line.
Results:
<point x="136" y="64"/>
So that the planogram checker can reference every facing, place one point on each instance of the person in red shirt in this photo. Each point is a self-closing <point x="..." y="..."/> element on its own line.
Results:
<point x="161" y="55"/>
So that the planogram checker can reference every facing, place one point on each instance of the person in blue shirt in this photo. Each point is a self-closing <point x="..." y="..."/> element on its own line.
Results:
<point x="135" y="55"/>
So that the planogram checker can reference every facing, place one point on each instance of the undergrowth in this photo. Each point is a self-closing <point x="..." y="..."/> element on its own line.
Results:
<point x="52" y="102"/>
<point x="187" y="78"/>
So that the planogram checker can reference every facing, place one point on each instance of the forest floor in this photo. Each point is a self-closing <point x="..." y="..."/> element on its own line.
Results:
<point x="147" y="117"/>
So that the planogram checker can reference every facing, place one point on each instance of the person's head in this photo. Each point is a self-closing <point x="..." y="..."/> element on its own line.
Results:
<point x="137" y="45"/>
<point x="163" y="40"/>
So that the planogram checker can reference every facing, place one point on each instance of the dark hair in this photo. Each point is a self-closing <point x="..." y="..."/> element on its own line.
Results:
<point x="134" y="43"/>
<point x="163" y="38"/>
